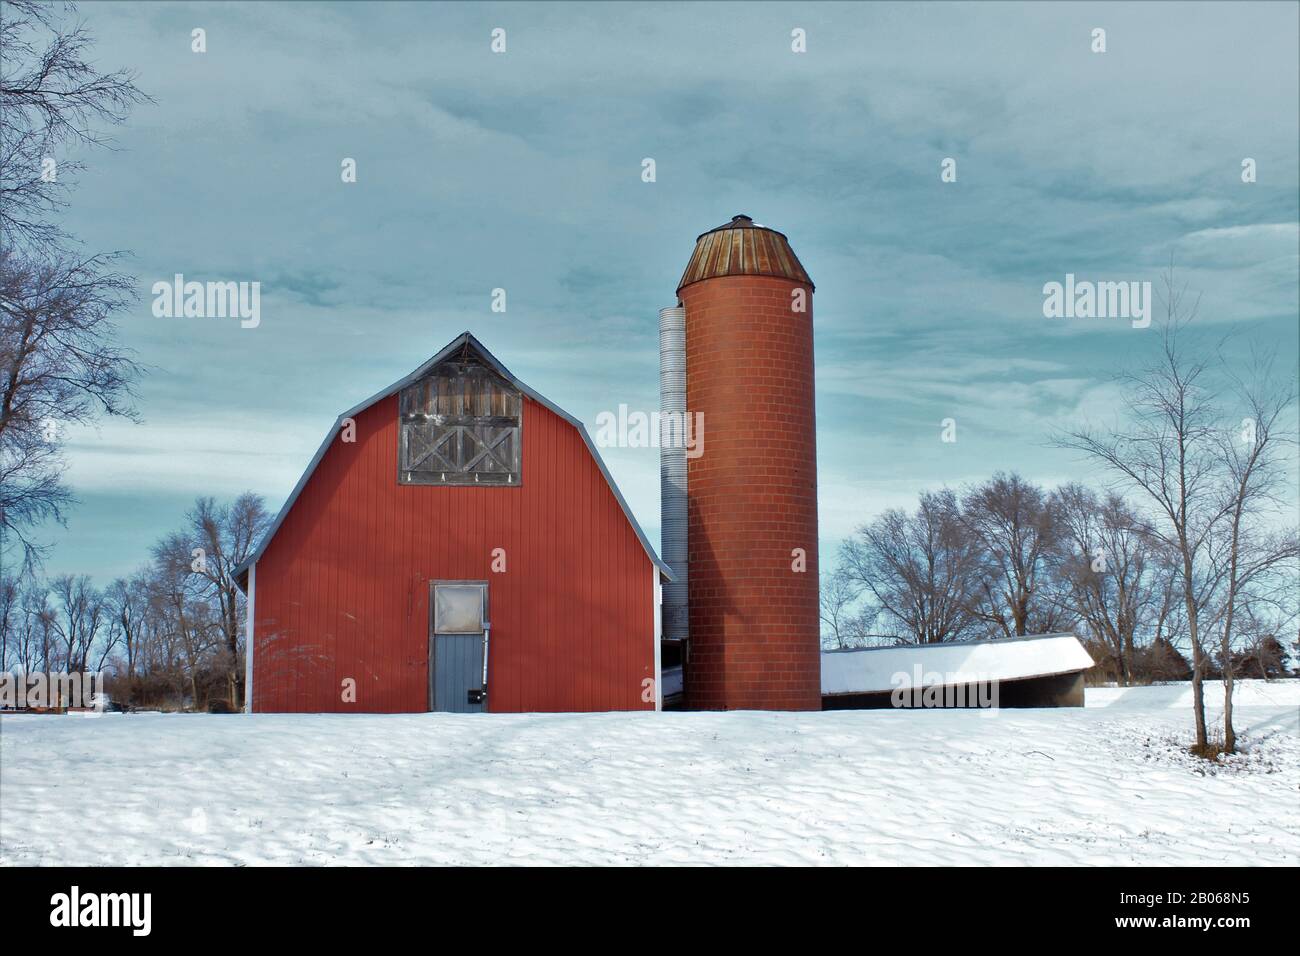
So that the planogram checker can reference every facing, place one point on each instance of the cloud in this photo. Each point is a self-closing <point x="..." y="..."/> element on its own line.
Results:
<point x="522" y="171"/>
<point x="191" y="457"/>
<point x="1240" y="246"/>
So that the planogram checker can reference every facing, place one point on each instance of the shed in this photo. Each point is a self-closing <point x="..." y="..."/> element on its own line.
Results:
<point x="1044" y="670"/>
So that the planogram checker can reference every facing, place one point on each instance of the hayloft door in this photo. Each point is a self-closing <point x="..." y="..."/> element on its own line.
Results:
<point x="458" y="646"/>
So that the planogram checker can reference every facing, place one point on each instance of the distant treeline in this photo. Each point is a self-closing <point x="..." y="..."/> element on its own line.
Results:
<point x="171" y="635"/>
<point x="1007" y="557"/>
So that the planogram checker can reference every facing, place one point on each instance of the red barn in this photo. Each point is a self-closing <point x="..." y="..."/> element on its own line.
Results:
<point x="456" y="544"/>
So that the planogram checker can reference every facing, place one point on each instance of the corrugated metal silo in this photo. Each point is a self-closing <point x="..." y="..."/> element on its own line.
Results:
<point x="672" y="467"/>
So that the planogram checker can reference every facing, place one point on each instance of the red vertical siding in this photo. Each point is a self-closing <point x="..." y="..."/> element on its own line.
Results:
<point x="342" y="588"/>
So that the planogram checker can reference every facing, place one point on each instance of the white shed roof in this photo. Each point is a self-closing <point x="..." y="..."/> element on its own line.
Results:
<point x="875" y="669"/>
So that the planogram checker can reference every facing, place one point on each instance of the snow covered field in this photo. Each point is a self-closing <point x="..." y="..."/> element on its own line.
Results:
<point x="1103" y="785"/>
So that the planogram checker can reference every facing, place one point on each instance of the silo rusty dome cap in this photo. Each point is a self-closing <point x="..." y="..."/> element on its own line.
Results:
<point x="742" y="247"/>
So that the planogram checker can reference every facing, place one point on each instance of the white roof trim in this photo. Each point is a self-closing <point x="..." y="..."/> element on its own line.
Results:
<point x="459" y="342"/>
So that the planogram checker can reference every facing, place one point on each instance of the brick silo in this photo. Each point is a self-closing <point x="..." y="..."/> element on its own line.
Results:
<point x="752" y="491"/>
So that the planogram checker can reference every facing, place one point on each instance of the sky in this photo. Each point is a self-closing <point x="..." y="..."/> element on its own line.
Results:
<point x="522" y="170"/>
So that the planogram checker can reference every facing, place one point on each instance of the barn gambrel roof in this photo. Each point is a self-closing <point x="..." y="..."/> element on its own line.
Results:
<point x="457" y="344"/>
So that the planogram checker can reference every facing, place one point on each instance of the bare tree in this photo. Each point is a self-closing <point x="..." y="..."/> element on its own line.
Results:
<point x="1263" y="652"/>
<point x="1169" y="454"/>
<point x="1015" y="526"/>
<point x="30" y="492"/>
<point x="58" y="366"/>
<point x="225" y="535"/>
<point x="1109" y="569"/>
<point x="51" y="99"/>
<point x="57" y="361"/>
<point x="79" y="623"/>
<point x="843" y="626"/>
<point x="918" y="570"/>
<point x="178" y="595"/>
<point x="35" y="629"/>
<point x="1255" y="471"/>
<point x="128" y="607"/>
<point x="10" y="610"/>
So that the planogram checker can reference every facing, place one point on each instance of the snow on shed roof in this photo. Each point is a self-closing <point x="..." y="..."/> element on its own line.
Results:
<point x="871" y="670"/>
<point x="465" y="338"/>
